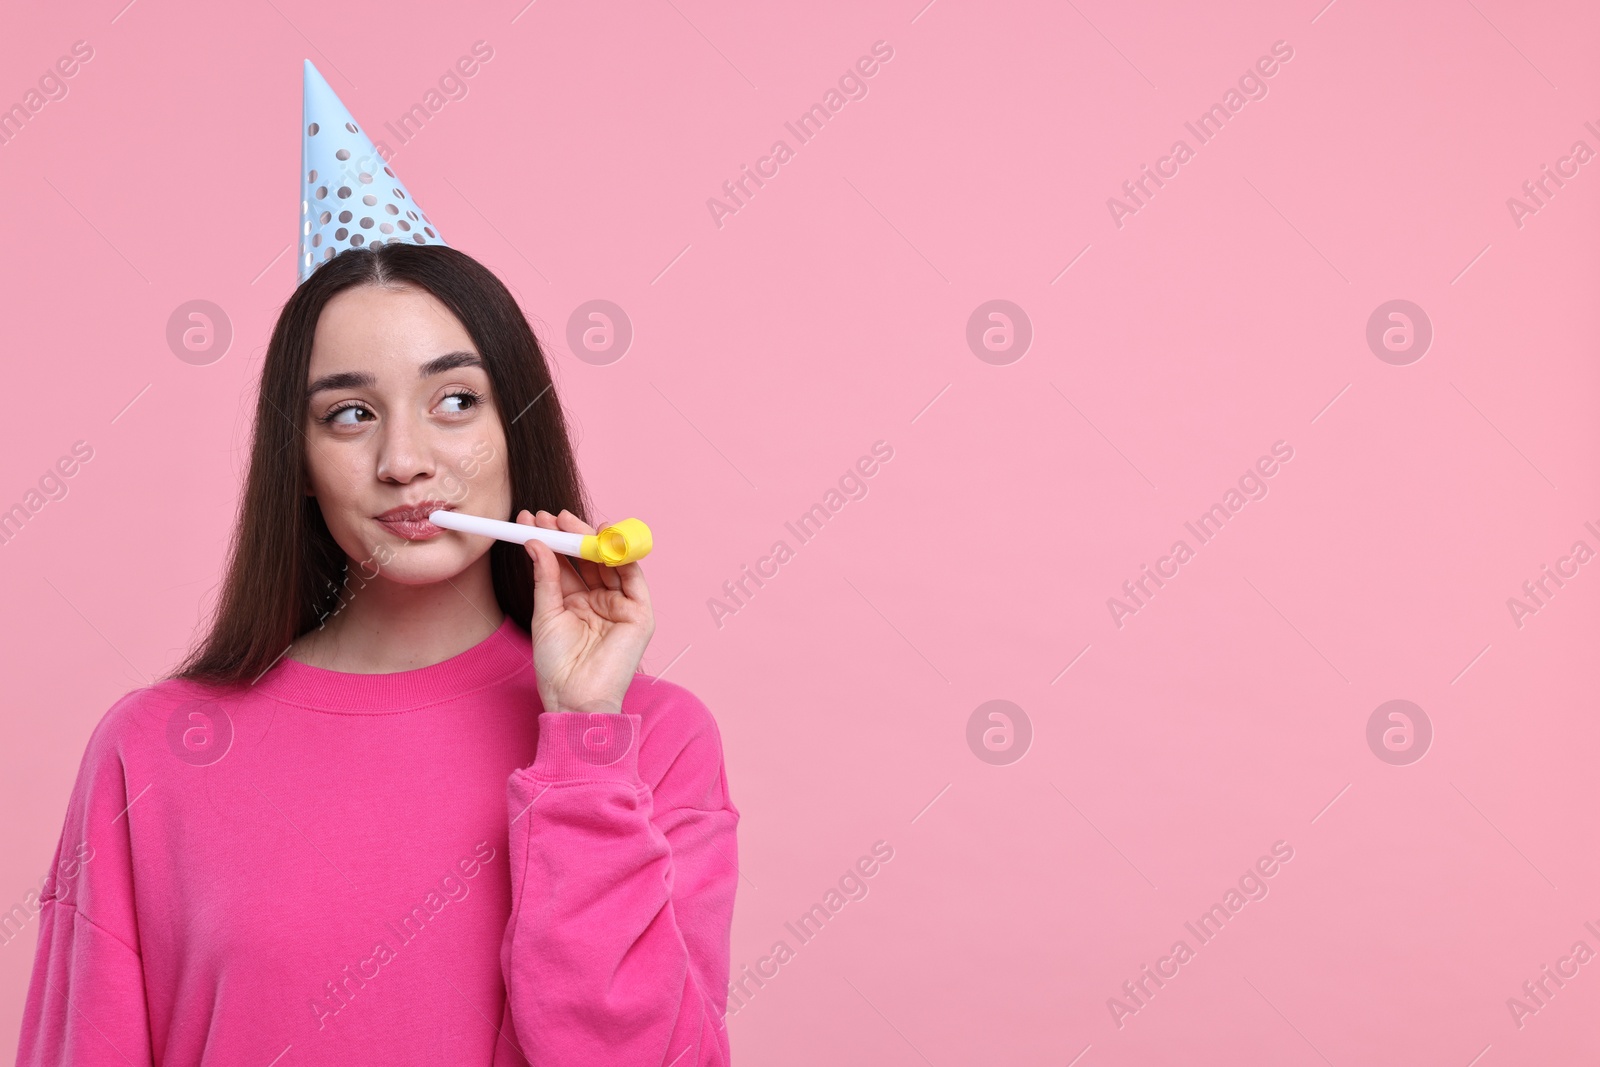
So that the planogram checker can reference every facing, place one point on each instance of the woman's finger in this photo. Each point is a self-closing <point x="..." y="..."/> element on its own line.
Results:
<point x="572" y="579"/>
<point x="572" y="524"/>
<point x="631" y="578"/>
<point x="583" y="569"/>
<point x="596" y="574"/>
<point x="569" y="582"/>
<point x="547" y="595"/>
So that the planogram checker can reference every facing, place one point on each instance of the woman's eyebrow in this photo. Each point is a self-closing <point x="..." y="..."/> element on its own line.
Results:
<point x="448" y="361"/>
<point x="363" y="380"/>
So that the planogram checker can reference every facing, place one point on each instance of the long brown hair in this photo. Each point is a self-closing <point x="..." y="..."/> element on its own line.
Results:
<point x="284" y="565"/>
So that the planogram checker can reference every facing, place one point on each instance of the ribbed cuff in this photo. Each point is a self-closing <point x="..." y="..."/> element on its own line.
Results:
<point x="577" y="745"/>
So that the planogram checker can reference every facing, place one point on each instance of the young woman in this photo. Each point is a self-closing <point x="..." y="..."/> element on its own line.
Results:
<point x="408" y="801"/>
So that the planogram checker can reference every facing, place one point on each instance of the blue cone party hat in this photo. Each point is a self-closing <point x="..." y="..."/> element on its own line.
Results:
<point x="349" y="198"/>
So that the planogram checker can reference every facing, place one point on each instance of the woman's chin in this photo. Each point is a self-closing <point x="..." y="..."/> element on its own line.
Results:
<point x="426" y="562"/>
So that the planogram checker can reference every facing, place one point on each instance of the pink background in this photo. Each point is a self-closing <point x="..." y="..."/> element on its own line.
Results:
<point x="831" y="312"/>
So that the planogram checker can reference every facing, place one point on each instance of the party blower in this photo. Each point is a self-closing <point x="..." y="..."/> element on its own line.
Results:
<point x="621" y="542"/>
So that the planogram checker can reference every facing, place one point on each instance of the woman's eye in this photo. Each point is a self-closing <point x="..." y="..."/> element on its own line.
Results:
<point x="337" y="417"/>
<point x="464" y="401"/>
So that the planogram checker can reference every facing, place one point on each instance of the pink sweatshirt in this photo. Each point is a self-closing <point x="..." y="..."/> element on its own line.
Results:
<point x="410" y="868"/>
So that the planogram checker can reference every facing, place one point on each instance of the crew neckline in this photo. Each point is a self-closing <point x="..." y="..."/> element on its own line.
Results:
<point x="504" y="652"/>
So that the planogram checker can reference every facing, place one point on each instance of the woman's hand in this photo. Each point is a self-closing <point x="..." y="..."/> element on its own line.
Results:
<point x="590" y="624"/>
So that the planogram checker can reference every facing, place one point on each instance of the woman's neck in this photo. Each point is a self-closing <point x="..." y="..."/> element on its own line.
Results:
<point x="384" y="626"/>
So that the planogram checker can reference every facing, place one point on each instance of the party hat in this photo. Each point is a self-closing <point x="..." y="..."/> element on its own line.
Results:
<point x="349" y="198"/>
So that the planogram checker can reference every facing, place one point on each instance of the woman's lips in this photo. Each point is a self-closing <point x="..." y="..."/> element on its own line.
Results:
<point x="411" y="520"/>
<point x="413" y="529"/>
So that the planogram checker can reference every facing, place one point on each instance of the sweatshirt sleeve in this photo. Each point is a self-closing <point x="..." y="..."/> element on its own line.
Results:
<point x="86" y="1000"/>
<point x="617" y="950"/>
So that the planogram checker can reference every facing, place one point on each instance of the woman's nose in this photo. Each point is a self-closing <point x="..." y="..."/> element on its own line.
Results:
<point x="404" y="450"/>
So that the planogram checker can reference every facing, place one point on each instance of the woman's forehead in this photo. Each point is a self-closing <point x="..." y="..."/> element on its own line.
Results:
<point x="381" y="327"/>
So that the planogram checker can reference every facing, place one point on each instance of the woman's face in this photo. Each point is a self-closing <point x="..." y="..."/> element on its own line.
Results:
<point x="400" y="416"/>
